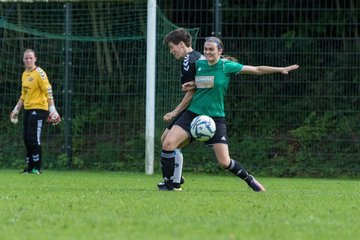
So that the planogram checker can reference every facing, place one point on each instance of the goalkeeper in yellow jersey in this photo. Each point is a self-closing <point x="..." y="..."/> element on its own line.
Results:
<point x="38" y="103"/>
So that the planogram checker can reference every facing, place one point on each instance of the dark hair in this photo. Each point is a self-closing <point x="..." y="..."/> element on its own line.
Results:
<point x="177" y="36"/>
<point x="229" y="58"/>
<point x="220" y="45"/>
<point x="215" y="40"/>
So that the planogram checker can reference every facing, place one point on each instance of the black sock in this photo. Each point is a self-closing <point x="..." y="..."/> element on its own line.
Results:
<point x="236" y="169"/>
<point x="37" y="161"/>
<point x="29" y="163"/>
<point x="167" y="164"/>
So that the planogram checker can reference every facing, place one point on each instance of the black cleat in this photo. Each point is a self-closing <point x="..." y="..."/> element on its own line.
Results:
<point x="164" y="188"/>
<point x="255" y="185"/>
<point x="182" y="181"/>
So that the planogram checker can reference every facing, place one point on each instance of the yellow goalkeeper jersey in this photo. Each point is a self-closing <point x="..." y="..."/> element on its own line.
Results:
<point x="35" y="89"/>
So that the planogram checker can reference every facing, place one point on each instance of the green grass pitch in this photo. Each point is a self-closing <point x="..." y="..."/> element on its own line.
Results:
<point x="113" y="205"/>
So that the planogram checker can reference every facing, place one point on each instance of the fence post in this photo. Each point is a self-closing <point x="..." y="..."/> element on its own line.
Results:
<point x="150" y="87"/>
<point x="67" y="84"/>
<point x="217" y="18"/>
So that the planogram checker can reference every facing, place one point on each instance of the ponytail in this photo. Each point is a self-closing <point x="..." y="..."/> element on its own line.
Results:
<point x="230" y="58"/>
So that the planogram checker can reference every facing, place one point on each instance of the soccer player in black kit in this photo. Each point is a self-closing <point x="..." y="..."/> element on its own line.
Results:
<point x="179" y="42"/>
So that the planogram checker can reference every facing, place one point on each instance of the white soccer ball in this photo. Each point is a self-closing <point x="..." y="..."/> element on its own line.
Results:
<point x="202" y="128"/>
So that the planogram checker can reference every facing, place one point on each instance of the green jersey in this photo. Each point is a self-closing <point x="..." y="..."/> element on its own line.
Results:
<point x="212" y="83"/>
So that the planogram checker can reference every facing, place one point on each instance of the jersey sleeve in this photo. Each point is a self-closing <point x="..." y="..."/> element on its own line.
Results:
<point x="233" y="67"/>
<point x="22" y="96"/>
<point x="190" y="75"/>
<point x="44" y="84"/>
<point x="188" y="70"/>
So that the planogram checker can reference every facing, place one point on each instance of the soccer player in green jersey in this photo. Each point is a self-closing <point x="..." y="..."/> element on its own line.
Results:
<point x="212" y="78"/>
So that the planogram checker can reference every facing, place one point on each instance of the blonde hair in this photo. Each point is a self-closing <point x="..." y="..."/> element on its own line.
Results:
<point x="29" y="50"/>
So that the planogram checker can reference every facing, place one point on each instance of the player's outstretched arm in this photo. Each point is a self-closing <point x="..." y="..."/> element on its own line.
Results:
<point x="261" y="70"/>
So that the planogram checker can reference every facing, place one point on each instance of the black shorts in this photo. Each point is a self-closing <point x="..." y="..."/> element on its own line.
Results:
<point x="174" y="120"/>
<point x="220" y="136"/>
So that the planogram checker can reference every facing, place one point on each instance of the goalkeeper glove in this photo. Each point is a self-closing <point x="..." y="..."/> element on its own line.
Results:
<point x="14" y="115"/>
<point x="54" y="117"/>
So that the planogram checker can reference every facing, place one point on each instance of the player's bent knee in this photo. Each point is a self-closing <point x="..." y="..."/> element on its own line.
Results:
<point x="224" y="163"/>
<point x="168" y="145"/>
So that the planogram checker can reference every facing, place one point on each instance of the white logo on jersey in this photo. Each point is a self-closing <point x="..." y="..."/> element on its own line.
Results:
<point x="186" y="63"/>
<point x="204" y="81"/>
<point x="223" y="138"/>
<point x="199" y="69"/>
<point x="49" y="90"/>
<point x="42" y="74"/>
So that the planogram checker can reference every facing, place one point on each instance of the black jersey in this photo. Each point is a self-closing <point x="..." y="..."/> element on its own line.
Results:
<point x="188" y="69"/>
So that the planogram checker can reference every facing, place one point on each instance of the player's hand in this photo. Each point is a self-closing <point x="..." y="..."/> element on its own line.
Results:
<point x="188" y="86"/>
<point x="54" y="117"/>
<point x="170" y="116"/>
<point x="14" y="115"/>
<point x="286" y="70"/>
